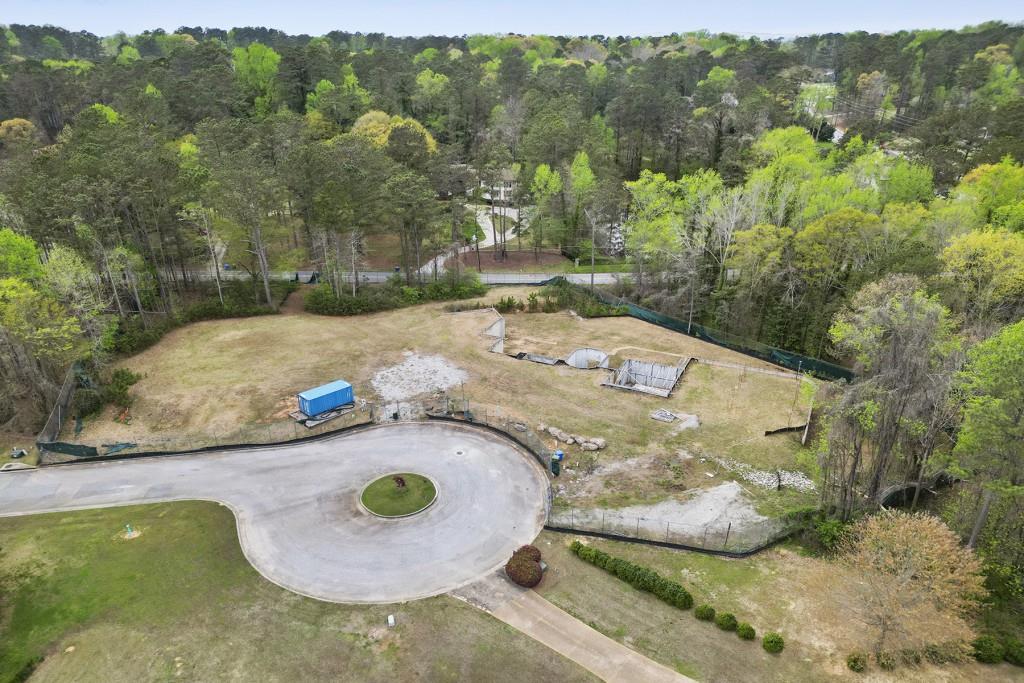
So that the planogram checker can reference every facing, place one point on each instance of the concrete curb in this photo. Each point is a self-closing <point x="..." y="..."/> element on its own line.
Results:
<point x="359" y="498"/>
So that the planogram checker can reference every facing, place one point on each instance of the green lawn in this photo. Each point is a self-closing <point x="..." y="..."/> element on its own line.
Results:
<point x="180" y="602"/>
<point x="390" y="497"/>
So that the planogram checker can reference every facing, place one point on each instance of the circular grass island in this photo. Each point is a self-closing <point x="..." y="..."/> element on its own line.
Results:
<point x="398" y="495"/>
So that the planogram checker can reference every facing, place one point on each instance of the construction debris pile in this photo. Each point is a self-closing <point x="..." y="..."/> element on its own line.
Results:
<point x="647" y="377"/>
<point x="585" y="443"/>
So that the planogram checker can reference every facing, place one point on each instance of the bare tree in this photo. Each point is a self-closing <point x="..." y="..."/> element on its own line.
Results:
<point x="905" y="565"/>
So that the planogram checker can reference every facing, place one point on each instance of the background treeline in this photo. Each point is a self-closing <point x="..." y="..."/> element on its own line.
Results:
<point x="135" y="169"/>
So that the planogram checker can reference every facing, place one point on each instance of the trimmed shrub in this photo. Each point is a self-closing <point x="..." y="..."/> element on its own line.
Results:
<point x="1014" y="651"/>
<point x="524" y="571"/>
<point x="726" y="621"/>
<point x="528" y="551"/>
<point x="704" y="612"/>
<point x="635" y="575"/>
<point x="857" y="661"/>
<point x="745" y="631"/>
<point x="773" y="642"/>
<point x="911" y="657"/>
<point x="988" y="649"/>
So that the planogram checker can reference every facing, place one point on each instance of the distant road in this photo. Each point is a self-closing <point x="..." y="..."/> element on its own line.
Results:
<point x="378" y="276"/>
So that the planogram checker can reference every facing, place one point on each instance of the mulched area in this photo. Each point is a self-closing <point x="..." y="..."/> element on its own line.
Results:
<point x="514" y="260"/>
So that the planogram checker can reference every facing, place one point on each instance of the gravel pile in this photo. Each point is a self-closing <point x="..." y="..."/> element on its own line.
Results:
<point x="764" y="478"/>
<point x="415" y="376"/>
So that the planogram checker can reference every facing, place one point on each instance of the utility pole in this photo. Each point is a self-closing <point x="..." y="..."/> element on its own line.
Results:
<point x="796" y="392"/>
<point x="689" y="321"/>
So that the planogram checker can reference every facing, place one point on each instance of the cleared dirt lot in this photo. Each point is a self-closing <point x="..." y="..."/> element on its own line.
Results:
<point x="204" y="382"/>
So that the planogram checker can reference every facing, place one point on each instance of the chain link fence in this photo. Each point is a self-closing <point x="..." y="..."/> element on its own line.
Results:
<point x="777" y="356"/>
<point x="493" y="417"/>
<point x="57" y="452"/>
<point x="738" y="538"/>
<point x="61" y="407"/>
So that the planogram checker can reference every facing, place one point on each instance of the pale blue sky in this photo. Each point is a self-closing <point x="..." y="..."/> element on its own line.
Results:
<point x="455" y="17"/>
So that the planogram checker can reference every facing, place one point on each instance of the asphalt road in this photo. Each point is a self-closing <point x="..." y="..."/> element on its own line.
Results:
<point x="379" y="276"/>
<point x="299" y="520"/>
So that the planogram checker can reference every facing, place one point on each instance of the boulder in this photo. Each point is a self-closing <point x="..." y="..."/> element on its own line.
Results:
<point x="599" y="442"/>
<point x="589" y="446"/>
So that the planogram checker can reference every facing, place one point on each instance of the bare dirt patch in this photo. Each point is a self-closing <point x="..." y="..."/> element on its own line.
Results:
<point x="415" y="376"/>
<point x="515" y="260"/>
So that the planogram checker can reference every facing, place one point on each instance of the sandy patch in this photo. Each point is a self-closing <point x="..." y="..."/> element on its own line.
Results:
<point x="415" y="376"/>
<point x="715" y="506"/>
<point x="704" y="517"/>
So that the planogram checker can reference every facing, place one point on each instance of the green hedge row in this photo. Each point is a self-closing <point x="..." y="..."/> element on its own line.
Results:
<point x="392" y="295"/>
<point x="635" y="575"/>
<point x="565" y="295"/>
<point x="130" y="335"/>
<point x="674" y="594"/>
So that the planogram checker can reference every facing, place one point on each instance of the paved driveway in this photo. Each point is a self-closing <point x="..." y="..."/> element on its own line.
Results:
<point x="299" y="521"/>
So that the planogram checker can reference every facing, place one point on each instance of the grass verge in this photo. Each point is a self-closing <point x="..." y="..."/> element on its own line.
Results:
<point x="180" y="602"/>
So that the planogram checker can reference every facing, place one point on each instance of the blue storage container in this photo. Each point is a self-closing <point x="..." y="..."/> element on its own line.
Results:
<point x="327" y="397"/>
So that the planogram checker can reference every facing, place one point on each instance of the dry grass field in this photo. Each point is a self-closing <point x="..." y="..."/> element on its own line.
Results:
<point x="230" y="380"/>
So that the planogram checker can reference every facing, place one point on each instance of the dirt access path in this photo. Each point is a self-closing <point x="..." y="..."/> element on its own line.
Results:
<point x="295" y="303"/>
<point x="527" y="612"/>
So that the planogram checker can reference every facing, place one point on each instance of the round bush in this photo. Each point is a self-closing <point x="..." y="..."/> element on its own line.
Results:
<point x="988" y="650"/>
<point x="726" y="621"/>
<point x="528" y="551"/>
<point x="524" y="571"/>
<point x="886" y="660"/>
<point x="704" y="612"/>
<point x="773" y="642"/>
<point x="857" y="661"/>
<point x="745" y="631"/>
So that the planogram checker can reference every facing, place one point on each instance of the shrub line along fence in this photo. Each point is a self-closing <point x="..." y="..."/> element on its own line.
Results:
<point x="771" y="354"/>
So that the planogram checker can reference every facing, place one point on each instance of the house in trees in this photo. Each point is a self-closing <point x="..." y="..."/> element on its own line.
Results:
<point x="502" y="190"/>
